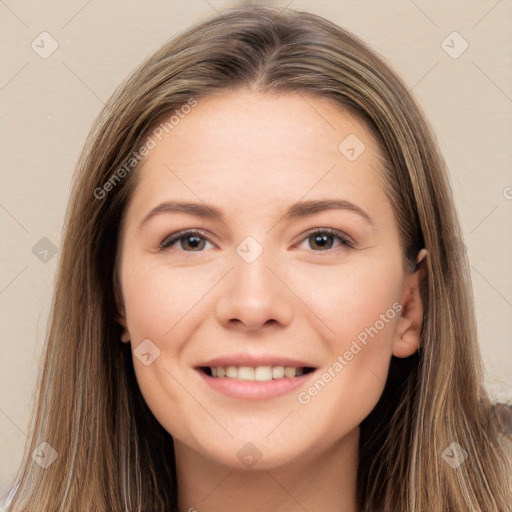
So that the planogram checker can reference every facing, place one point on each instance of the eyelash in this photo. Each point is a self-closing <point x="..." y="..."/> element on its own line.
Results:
<point x="168" y="242"/>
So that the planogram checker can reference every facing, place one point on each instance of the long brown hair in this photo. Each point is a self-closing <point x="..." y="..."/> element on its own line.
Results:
<point x="112" y="454"/>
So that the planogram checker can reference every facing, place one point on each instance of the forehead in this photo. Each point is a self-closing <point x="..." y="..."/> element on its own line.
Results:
<point x="251" y="150"/>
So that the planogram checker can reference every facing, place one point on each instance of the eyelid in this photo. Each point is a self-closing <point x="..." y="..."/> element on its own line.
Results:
<point x="174" y="237"/>
<point x="346" y="240"/>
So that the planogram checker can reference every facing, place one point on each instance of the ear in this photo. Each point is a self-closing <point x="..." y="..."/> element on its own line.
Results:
<point x="121" y="316"/>
<point x="408" y="330"/>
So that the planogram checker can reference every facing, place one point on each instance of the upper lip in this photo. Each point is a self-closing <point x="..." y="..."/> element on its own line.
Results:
<point x="254" y="361"/>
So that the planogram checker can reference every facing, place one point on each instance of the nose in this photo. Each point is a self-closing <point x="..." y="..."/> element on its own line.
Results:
<point x="254" y="295"/>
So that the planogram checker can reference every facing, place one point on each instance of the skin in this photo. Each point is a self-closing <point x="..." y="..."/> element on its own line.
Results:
<point x="253" y="155"/>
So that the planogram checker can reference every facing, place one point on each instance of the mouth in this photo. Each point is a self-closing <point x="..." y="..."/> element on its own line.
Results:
<point x="256" y="373"/>
<point x="250" y="376"/>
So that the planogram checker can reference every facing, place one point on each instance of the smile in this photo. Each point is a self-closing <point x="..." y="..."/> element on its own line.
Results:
<point x="257" y="374"/>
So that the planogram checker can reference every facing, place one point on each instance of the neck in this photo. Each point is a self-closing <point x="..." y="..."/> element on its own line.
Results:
<point x="327" y="482"/>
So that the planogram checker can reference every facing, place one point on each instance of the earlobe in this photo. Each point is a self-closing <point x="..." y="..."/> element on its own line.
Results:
<point x="125" y="336"/>
<point x="409" y="325"/>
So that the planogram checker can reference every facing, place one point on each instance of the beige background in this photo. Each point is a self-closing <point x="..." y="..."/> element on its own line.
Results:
<point x="48" y="106"/>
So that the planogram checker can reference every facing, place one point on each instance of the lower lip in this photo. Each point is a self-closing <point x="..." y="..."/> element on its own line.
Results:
<point x="253" y="390"/>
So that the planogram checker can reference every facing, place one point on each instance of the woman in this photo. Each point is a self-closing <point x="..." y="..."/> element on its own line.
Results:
<point x="259" y="368"/>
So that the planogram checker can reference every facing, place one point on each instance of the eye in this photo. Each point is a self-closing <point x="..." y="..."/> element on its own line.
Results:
<point x="191" y="238"/>
<point x="322" y="238"/>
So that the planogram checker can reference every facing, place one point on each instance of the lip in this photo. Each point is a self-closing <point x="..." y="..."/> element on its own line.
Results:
<point x="253" y="360"/>
<point x="253" y="390"/>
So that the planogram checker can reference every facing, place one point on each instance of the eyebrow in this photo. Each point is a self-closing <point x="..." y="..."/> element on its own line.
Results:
<point x="300" y="209"/>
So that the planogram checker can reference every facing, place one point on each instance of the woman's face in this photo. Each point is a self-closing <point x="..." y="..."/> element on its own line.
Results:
<point x="253" y="292"/>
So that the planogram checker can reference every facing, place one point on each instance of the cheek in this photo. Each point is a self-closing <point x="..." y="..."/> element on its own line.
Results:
<point x="352" y="299"/>
<point x="164" y="305"/>
<point x="156" y="303"/>
<point x="360" y="307"/>
<point x="158" y="299"/>
<point x="352" y="381"/>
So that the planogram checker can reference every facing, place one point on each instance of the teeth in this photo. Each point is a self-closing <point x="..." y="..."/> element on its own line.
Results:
<point x="258" y="374"/>
<point x="289" y="371"/>
<point x="232" y="372"/>
<point x="245" y="373"/>
<point x="277" y="372"/>
<point x="263" y="373"/>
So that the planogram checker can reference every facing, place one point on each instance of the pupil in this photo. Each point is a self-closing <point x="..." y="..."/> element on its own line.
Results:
<point x="321" y="237"/>
<point x="320" y="240"/>
<point x="196" y="240"/>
